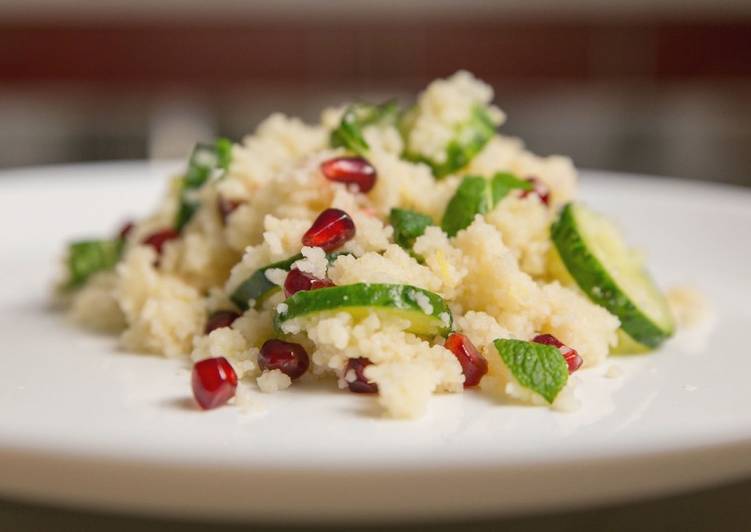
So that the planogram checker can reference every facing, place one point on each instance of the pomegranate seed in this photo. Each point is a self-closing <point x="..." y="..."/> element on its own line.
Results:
<point x="219" y="319"/>
<point x="331" y="229"/>
<point x="354" y="376"/>
<point x="299" y="281"/>
<point x="355" y="171"/>
<point x="291" y="359"/>
<point x="572" y="358"/>
<point x="158" y="239"/>
<point x="125" y="230"/>
<point x="474" y="365"/>
<point x="214" y="382"/>
<point x="226" y="207"/>
<point x="540" y="188"/>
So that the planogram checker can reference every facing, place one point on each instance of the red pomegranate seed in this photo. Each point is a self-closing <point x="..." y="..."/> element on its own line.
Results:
<point x="214" y="382"/>
<point x="226" y="207"/>
<point x="354" y="376"/>
<point x="474" y="365"/>
<point x="158" y="239"/>
<point x="299" y="281"/>
<point x="355" y="171"/>
<point x="125" y="230"/>
<point x="291" y="359"/>
<point x="540" y="188"/>
<point x="331" y="229"/>
<point x="571" y="357"/>
<point x="219" y="319"/>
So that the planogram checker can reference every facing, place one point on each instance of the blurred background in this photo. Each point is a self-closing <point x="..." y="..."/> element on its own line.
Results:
<point x="652" y="86"/>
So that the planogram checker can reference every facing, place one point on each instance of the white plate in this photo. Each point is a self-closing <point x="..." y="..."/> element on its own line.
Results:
<point x="82" y="423"/>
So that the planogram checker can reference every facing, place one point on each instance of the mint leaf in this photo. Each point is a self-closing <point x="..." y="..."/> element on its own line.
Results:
<point x="86" y="257"/>
<point x="204" y="161"/>
<point x="357" y="117"/>
<point x="471" y="198"/>
<point x="408" y="226"/>
<point x="477" y="195"/>
<point x="503" y="182"/>
<point x="539" y="367"/>
<point x="224" y="153"/>
<point x="469" y="139"/>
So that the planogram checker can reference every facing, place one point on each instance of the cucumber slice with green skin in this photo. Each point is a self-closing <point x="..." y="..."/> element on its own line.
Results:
<point x="427" y="313"/>
<point x="204" y="161"/>
<point x="357" y="117"/>
<point x="477" y="195"/>
<point x="408" y="226"/>
<point x="469" y="139"/>
<point x="628" y="346"/>
<point x="87" y="257"/>
<point x="258" y="288"/>
<point x="608" y="272"/>
<point x="539" y="367"/>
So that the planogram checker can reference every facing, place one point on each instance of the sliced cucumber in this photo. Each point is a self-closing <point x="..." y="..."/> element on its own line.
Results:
<point x="477" y="195"/>
<point x="628" y="346"/>
<point x="469" y="139"/>
<point x="258" y="288"/>
<point x="426" y="312"/>
<point x="611" y="275"/>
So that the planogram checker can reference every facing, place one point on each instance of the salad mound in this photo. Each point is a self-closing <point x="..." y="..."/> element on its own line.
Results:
<point x="394" y="252"/>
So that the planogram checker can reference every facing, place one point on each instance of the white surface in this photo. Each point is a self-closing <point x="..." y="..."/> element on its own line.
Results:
<point x="82" y="423"/>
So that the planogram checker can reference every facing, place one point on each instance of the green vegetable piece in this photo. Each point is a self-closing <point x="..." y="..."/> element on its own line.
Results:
<point x="204" y="161"/>
<point x="602" y="265"/>
<point x="427" y="313"/>
<point x="224" y="153"/>
<point x="258" y="288"/>
<point x="349" y="133"/>
<point x="474" y="196"/>
<point x="87" y="257"/>
<point x="504" y="182"/>
<point x="408" y="226"/>
<point x="477" y="195"/>
<point x="539" y="367"/>
<point x="470" y="138"/>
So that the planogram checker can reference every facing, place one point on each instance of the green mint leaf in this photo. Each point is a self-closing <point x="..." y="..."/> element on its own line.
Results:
<point x="204" y="161"/>
<point x="87" y="257"/>
<point x="477" y="195"/>
<point x="470" y="138"/>
<point x="539" y="367"/>
<point x="224" y="153"/>
<point x="503" y="182"/>
<point x="408" y="226"/>
<point x="474" y="196"/>
<point x="349" y="133"/>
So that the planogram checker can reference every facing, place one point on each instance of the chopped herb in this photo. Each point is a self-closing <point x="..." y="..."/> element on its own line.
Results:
<point x="204" y="162"/>
<point x="539" y="367"/>
<point x="477" y="195"/>
<point x="87" y="257"/>
<point x="470" y="138"/>
<point x="408" y="226"/>
<point x="349" y="133"/>
<point x="504" y="182"/>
